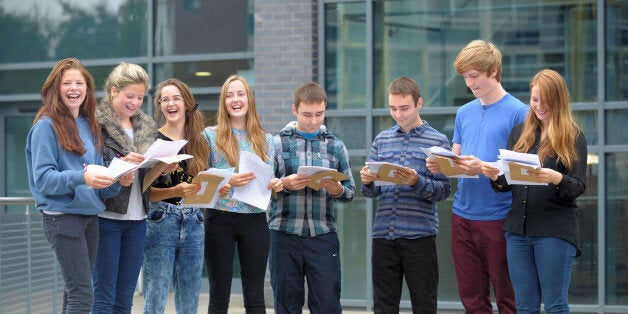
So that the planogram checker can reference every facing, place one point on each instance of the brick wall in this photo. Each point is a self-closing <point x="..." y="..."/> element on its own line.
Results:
<point x="285" y="56"/>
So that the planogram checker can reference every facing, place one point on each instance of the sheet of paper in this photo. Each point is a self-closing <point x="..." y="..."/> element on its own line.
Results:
<point x="528" y="159"/>
<point x="159" y="167"/>
<point x="117" y="168"/>
<point x="211" y="181"/>
<point x="516" y="167"/>
<point x="255" y="193"/>
<point x="517" y="175"/>
<point x="440" y="151"/>
<point x="385" y="172"/>
<point x="165" y="151"/>
<point x="317" y="174"/>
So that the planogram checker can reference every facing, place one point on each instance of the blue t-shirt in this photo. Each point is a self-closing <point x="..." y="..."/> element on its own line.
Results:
<point x="481" y="131"/>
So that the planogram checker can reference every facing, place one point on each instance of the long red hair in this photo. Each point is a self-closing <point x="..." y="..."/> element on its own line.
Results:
<point x="62" y="119"/>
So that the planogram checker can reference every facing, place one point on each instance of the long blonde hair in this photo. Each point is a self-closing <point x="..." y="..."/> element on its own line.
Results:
<point x="562" y="130"/>
<point x="225" y="139"/>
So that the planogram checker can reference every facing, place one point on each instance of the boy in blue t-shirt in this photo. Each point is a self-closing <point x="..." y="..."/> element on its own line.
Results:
<point x="482" y="127"/>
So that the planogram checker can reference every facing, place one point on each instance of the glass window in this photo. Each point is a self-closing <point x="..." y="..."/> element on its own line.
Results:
<point x="583" y="288"/>
<point x="587" y="121"/>
<point x="51" y="30"/>
<point x="349" y="129"/>
<point x="616" y="222"/>
<point x="345" y="55"/>
<point x="353" y="244"/>
<point x="616" y="50"/>
<point x="197" y="27"/>
<point x="204" y="73"/>
<point x="616" y="127"/>
<point x="421" y="39"/>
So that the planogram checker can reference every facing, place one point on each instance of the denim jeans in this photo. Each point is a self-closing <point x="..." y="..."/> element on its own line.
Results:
<point x="293" y="259"/>
<point x="74" y="239"/>
<point x="250" y="233"/>
<point x="478" y="249"/>
<point x="540" y="268"/>
<point x="413" y="259"/>
<point x="174" y="253"/>
<point x="118" y="263"/>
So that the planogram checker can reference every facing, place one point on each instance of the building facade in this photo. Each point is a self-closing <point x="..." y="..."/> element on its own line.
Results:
<point x="354" y="49"/>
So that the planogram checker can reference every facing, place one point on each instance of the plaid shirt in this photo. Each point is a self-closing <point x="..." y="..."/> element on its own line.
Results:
<point x="308" y="212"/>
<point x="407" y="212"/>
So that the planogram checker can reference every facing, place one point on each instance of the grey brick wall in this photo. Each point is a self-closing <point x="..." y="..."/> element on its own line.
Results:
<point x="285" y="56"/>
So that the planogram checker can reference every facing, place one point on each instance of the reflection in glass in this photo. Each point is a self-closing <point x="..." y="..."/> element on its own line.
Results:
<point x="351" y="218"/>
<point x="616" y="231"/>
<point x="204" y="73"/>
<point x="345" y="55"/>
<point x="584" y="276"/>
<point x="51" y="30"/>
<point x="616" y="50"/>
<point x="420" y="39"/>
<point x="617" y="127"/>
<point x="587" y="121"/>
<point x="349" y="129"/>
<point x="198" y="27"/>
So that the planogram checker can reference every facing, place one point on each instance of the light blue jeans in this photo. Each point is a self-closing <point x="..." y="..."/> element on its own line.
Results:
<point x="175" y="238"/>
<point x="540" y="268"/>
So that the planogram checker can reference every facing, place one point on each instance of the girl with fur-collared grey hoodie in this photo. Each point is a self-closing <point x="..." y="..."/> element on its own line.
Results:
<point x="128" y="133"/>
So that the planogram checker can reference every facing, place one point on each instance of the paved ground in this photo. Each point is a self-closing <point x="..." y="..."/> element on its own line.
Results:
<point x="235" y="306"/>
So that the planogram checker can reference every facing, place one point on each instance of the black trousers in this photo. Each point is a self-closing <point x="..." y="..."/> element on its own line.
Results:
<point x="224" y="233"/>
<point x="414" y="259"/>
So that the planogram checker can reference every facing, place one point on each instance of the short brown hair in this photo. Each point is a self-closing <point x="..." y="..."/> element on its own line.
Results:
<point x="481" y="56"/>
<point x="310" y="92"/>
<point x="405" y="86"/>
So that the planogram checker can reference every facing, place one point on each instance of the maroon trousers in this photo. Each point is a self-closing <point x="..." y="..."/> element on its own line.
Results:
<point x="479" y="254"/>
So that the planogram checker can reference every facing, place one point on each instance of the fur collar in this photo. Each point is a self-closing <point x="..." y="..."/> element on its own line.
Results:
<point x="144" y="130"/>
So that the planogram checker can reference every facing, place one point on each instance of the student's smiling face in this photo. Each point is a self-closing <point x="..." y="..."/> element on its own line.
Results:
<point x="404" y="111"/>
<point x="128" y="100"/>
<point x="72" y="90"/>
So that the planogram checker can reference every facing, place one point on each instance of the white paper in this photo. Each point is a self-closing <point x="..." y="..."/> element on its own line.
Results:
<point x="439" y="151"/>
<point x="310" y="170"/>
<point x="225" y="173"/>
<point x="526" y="159"/>
<point x="162" y="149"/>
<point x="503" y="167"/>
<point x="117" y="168"/>
<point x="255" y="193"/>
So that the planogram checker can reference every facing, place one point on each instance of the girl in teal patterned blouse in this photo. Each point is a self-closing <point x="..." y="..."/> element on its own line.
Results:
<point x="234" y="223"/>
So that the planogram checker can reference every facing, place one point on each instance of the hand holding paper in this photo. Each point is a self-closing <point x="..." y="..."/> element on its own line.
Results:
<point x="519" y="168"/>
<point x="211" y="181"/>
<point x="164" y="151"/>
<point x="255" y="192"/>
<point x="317" y="174"/>
<point x="385" y="172"/>
<point x="447" y="161"/>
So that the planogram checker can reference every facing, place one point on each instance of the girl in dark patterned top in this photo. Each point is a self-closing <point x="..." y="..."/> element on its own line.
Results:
<point x="175" y="236"/>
